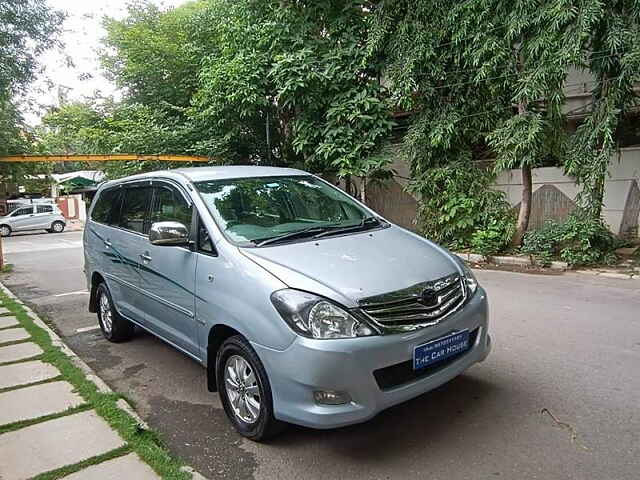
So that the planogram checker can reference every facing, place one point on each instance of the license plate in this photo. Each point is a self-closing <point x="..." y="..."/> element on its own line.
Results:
<point x="440" y="349"/>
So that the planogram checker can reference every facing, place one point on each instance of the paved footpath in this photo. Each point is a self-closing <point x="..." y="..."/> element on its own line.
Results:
<point x="43" y="426"/>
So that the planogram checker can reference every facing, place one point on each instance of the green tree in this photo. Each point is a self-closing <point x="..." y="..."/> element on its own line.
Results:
<point x="276" y="82"/>
<point x="88" y="127"/>
<point x="27" y="28"/>
<point x="610" y="46"/>
<point x="155" y="54"/>
<point x="484" y="80"/>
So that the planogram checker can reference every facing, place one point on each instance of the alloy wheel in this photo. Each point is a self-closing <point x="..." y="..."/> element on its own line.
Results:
<point x="242" y="389"/>
<point x="105" y="314"/>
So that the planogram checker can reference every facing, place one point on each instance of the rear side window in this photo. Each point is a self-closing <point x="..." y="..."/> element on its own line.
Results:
<point x="107" y="207"/>
<point x="135" y="206"/>
<point x="44" y="209"/>
<point x="169" y="206"/>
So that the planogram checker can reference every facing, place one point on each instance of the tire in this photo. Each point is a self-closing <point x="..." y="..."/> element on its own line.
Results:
<point x="5" y="230"/>
<point x="57" y="227"/>
<point x="256" y="424"/>
<point x="114" y="328"/>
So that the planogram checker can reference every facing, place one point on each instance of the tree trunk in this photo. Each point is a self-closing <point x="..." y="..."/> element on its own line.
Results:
<point x="525" y="208"/>
<point x="525" y="203"/>
<point x="348" y="186"/>
<point x="363" y="190"/>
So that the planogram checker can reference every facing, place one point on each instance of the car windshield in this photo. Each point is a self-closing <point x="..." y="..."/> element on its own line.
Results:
<point x="261" y="210"/>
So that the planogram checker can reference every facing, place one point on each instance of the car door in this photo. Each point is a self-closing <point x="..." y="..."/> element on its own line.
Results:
<point x="101" y="255"/>
<point x="43" y="217"/>
<point x="125" y="243"/>
<point x="22" y="219"/>
<point x="168" y="274"/>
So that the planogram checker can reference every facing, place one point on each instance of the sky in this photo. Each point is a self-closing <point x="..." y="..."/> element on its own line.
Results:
<point x="82" y="31"/>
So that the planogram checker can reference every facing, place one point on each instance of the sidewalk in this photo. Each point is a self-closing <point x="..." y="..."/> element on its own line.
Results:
<point x="74" y="226"/>
<point x="58" y="422"/>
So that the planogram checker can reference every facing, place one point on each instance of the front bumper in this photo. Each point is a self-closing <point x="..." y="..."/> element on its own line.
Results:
<point x="347" y="365"/>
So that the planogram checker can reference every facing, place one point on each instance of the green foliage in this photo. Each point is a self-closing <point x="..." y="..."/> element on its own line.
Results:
<point x="611" y="52"/>
<point x="27" y="28"/>
<point x="299" y="68"/>
<point x="155" y="54"/>
<point x="495" y="237"/>
<point x="458" y="209"/>
<point x="279" y="82"/>
<point x="525" y="140"/>
<point x="580" y="240"/>
<point x="114" y="128"/>
<point x="490" y="73"/>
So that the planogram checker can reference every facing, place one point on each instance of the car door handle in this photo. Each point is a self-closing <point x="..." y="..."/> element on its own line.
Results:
<point x="145" y="257"/>
<point x="107" y="244"/>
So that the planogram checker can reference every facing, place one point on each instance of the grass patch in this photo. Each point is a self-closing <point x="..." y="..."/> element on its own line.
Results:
<point x="10" y="427"/>
<point x="32" y="384"/>
<point x="22" y="360"/>
<point x="144" y="442"/>
<point x="76" y="467"/>
<point x="15" y="342"/>
<point x="7" y="268"/>
<point x="15" y="325"/>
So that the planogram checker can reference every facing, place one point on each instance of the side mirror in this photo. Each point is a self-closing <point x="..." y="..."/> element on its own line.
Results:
<point x="169" y="234"/>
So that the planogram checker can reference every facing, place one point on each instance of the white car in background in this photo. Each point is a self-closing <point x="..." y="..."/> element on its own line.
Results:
<point x="33" y="217"/>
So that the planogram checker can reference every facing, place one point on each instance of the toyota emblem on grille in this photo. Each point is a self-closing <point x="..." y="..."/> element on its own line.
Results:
<point x="429" y="297"/>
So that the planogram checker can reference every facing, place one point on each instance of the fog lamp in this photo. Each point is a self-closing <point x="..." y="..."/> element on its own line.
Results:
<point x="329" y="397"/>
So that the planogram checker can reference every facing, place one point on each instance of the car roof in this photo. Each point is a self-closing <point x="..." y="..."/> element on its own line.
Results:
<point x="199" y="174"/>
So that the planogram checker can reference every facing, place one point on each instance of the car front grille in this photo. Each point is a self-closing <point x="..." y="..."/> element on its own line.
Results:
<point x="402" y="373"/>
<point x="419" y="306"/>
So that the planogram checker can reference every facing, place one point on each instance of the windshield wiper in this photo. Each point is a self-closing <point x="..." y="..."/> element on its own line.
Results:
<point x="366" y="222"/>
<point x="309" y="231"/>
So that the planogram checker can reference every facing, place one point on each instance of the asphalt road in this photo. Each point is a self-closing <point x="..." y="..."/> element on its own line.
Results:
<point x="559" y="397"/>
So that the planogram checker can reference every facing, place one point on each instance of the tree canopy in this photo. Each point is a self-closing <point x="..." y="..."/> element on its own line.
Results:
<point x="485" y="79"/>
<point x="27" y="29"/>
<point x="317" y="84"/>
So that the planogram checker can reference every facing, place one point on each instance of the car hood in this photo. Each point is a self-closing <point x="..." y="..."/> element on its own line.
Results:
<point x="350" y="267"/>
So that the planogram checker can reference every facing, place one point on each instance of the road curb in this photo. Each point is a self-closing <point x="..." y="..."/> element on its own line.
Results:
<point x="87" y="370"/>
<point x="511" y="260"/>
<point x="525" y="261"/>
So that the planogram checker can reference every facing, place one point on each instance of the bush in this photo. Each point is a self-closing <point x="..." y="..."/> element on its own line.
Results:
<point x="579" y="240"/>
<point x="495" y="237"/>
<point x="458" y="208"/>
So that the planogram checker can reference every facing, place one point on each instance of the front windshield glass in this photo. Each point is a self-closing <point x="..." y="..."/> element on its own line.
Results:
<point x="252" y="210"/>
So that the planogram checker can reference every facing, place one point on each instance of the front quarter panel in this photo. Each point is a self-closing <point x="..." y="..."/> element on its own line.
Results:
<point x="232" y="290"/>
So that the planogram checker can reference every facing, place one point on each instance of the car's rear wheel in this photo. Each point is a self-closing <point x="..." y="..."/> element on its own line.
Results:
<point x="245" y="391"/>
<point x="57" y="227"/>
<point x="114" y="327"/>
<point x="5" y="230"/>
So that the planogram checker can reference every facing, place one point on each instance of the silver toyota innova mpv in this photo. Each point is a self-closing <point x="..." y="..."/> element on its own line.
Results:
<point x="304" y="305"/>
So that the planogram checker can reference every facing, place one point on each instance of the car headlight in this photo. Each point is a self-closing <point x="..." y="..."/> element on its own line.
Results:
<point x="315" y="317"/>
<point x="470" y="280"/>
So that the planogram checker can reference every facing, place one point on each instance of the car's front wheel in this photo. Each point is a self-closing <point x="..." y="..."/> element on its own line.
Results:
<point x="114" y="327"/>
<point x="56" y="227"/>
<point x="245" y="391"/>
<point x="5" y="230"/>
